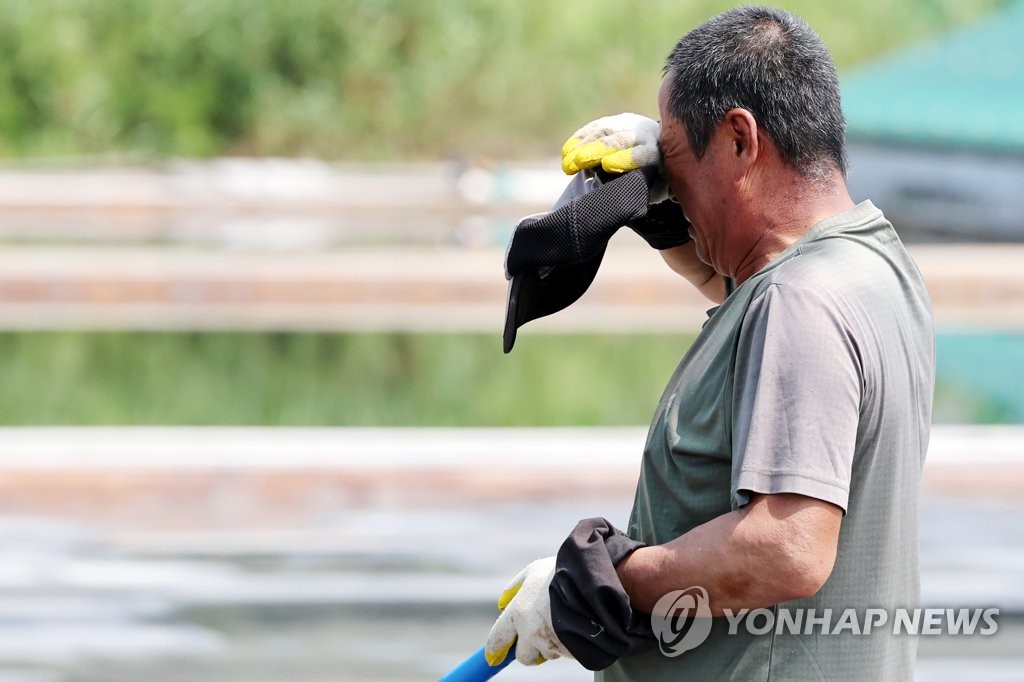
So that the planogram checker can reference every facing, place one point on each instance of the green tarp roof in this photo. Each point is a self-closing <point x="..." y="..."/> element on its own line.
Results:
<point x="965" y="90"/>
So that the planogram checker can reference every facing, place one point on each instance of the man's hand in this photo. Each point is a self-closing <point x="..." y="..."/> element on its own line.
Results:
<point x="526" y="617"/>
<point x="617" y="144"/>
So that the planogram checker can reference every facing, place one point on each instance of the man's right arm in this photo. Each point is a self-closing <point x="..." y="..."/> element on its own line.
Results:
<point x="683" y="261"/>
<point x="618" y="144"/>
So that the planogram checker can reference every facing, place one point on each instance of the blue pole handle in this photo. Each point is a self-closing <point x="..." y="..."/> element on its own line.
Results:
<point x="476" y="668"/>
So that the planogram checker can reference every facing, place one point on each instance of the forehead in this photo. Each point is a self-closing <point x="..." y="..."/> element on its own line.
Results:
<point x="663" y="93"/>
<point x="672" y="133"/>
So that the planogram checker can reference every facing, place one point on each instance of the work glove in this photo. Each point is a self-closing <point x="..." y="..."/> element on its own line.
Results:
<point x="613" y="145"/>
<point x="617" y="144"/>
<point x="526" y="618"/>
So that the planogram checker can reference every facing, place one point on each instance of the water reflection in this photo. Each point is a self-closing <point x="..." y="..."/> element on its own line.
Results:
<point x="79" y="605"/>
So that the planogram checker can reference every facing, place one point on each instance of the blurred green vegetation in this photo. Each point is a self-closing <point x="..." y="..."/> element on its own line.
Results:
<point x="84" y="378"/>
<point x="365" y="80"/>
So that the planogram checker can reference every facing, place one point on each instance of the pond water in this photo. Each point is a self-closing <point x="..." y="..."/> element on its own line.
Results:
<point x="392" y="596"/>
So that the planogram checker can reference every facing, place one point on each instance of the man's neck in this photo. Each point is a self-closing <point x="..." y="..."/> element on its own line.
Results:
<point x="787" y="215"/>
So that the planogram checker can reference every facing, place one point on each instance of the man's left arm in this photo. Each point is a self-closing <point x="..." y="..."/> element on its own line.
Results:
<point x="776" y="548"/>
<point x="795" y="405"/>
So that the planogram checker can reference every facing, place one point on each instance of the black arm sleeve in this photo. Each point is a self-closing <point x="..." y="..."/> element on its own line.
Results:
<point x="590" y="610"/>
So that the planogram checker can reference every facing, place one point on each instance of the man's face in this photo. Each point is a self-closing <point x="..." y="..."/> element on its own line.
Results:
<point x="693" y="181"/>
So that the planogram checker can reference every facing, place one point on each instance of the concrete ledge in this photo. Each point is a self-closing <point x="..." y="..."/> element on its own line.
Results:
<point x="239" y="477"/>
<point x="456" y="289"/>
<point x="373" y="449"/>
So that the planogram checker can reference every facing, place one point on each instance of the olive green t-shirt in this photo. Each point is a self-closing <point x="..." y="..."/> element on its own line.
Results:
<point x="815" y="376"/>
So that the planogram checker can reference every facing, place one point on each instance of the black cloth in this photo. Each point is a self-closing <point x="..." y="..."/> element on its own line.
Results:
<point x="664" y="225"/>
<point x="552" y="258"/>
<point x="590" y="610"/>
<point x="536" y="293"/>
<point x="579" y="229"/>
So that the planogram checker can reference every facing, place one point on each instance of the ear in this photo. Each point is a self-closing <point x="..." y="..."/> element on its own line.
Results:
<point x="741" y="129"/>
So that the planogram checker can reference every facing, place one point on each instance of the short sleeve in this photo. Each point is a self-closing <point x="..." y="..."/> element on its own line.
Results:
<point x="796" y="404"/>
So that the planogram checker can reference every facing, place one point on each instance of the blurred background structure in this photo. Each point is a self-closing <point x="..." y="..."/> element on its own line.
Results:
<point x="256" y="420"/>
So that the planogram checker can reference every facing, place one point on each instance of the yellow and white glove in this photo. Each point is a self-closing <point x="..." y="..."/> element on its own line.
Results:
<point x="526" y="617"/>
<point x="617" y="144"/>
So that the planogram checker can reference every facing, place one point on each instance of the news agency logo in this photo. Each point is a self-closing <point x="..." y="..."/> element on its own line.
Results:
<point x="681" y="620"/>
<point x="861" y="622"/>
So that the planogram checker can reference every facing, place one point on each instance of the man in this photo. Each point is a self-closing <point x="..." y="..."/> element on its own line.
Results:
<point x="783" y="462"/>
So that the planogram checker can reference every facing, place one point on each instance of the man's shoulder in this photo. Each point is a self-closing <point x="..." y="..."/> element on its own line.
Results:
<point x="860" y="259"/>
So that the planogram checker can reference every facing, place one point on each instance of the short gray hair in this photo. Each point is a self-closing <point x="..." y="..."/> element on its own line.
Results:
<point x="771" y="63"/>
